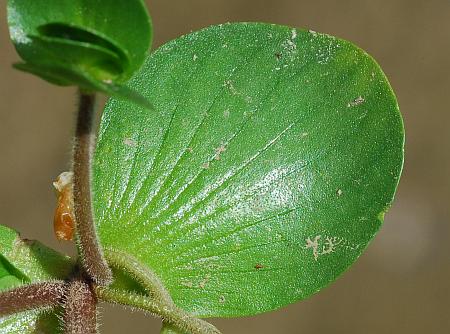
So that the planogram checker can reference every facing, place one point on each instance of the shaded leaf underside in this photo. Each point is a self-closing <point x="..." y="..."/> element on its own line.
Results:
<point x="96" y="45"/>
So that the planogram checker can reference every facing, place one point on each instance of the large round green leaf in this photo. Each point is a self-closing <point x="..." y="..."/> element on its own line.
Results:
<point x="264" y="172"/>
<point x="89" y="43"/>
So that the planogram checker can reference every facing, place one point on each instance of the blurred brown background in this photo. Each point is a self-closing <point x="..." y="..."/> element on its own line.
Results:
<point x="401" y="284"/>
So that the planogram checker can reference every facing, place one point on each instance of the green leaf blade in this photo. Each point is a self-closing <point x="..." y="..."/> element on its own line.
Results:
<point x="23" y="262"/>
<point x="264" y="173"/>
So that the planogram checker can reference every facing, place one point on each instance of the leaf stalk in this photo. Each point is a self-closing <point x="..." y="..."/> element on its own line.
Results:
<point x="40" y="296"/>
<point x="170" y="314"/>
<point x="91" y="255"/>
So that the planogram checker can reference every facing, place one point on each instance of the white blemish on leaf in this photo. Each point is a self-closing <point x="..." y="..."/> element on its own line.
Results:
<point x="226" y="113"/>
<point x="327" y="52"/>
<point x="363" y="114"/>
<point x="314" y="244"/>
<point x="129" y="142"/>
<point x="188" y="266"/>
<point x="219" y="150"/>
<point x="229" y="85"/>
<point x="356" y="102"/>
<point x="195" y="57"/>
<point x="187" y="284"/>
<point x="330" y="245"/>
<point x="322" y="246"/>
<point x="294" y="34"/>
<point x="206" y="165"/>
<point x="204" y="281"/>
<point x="351" y="247"/>
<point x="339" y="192"/>
<point x="289" y="46"/>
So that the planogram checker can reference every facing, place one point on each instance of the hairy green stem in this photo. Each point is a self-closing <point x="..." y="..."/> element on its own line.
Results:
<point x="91" y="253"/>
<point x="160" y="303"/>
<point x="172" y="315"/>
<point x="142" y="274"/>
<point x="80" y="309"/>
<point x="30" y="297"/>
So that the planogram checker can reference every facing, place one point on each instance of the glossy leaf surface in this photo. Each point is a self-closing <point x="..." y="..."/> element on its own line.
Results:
<point x="265" y="171"/>
<point x="22" y="262"/>
<point x="94" y="44"/>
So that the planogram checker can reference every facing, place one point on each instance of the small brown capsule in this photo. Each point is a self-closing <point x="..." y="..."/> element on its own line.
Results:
<point x="63" y="222"/>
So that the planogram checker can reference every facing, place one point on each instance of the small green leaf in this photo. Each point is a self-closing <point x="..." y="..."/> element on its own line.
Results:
<point x="99" y="62"/>
<point x="88" y="43"/>
<point x="262" y="176"/>
<point x="22" y="262"/>
<point x="30" y="322"/>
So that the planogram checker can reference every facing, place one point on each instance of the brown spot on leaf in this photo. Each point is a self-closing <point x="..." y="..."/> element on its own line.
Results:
<point x="219" y="150"/>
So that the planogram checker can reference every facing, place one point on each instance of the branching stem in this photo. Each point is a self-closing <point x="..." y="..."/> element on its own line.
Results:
<point x="29" y="297"/>
<point x="142" y="274"/>
<point x="80" y="309"/>
<point x="171" y="315"/>
<point x="91" y="254"/>
<point x="160" y="303"/>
